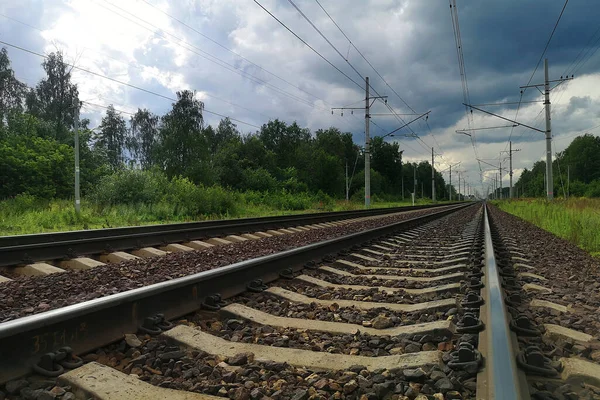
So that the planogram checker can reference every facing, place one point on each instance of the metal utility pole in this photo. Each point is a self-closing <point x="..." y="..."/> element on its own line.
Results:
<point x="549" y="180"/>
<point x="76" y="126"/>
<point x="367" y="149"/>
<point x="432" y="178"/>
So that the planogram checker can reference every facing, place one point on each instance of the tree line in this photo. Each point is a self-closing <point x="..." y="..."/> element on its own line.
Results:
<point x="576" y="172"/>
<point x="37" y="133"/>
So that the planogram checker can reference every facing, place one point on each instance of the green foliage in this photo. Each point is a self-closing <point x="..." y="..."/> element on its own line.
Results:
<point x="579" y="163"/>
<point x="34" y="165"/>
<point x="110" y="140"/>
<point x="176" y="167"/>
<point x="130" y="187"/>
<point x="575" y="219"/>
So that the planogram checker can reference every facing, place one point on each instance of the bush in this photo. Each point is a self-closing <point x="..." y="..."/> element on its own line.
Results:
<point x="131" y="187"/>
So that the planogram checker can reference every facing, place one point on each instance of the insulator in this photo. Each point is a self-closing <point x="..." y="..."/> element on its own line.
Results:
<point x="352" y="112"/>
<point x="331" y="112"/>
<point x="342" y="113"/>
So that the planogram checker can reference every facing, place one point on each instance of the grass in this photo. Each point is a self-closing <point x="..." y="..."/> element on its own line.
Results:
<point x="576" y="220"/>
<point x="26" y="215"/>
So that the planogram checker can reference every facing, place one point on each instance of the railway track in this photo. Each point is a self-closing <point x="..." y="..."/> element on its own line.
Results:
<point x="430" y="307"/>
<point x="47" y="253"/>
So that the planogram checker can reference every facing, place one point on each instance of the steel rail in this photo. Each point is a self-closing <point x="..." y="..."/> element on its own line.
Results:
<point x="23" y="249"/>
<point x="92" y="324"/>
<point x="500" y="379"/>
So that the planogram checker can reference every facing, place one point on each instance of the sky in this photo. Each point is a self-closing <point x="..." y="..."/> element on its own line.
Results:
<point x="244" y="64"/>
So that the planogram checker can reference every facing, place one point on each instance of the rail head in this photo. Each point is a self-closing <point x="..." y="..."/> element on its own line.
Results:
<point x="500" y="379"/>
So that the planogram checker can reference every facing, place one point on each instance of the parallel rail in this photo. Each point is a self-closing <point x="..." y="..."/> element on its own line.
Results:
<point x="22" y="249"/>
<point x="500" y="379"/>
<point x="95" y="323"/>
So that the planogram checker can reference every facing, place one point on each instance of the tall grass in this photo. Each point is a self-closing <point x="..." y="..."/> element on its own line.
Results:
<point x="575" y="219"/>
<point x="132" y="197"/>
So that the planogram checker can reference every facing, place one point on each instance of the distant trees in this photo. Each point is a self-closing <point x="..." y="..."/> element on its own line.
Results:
<point x="55" y="99"/>
<point x="579" y="162"/>
<point x="11" y="90"/>
<point x="111" y="138"/>
<point x="36" y="147"/>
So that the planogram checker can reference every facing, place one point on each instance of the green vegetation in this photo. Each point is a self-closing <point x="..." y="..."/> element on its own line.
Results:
<point x="575" y="219"/>
<point x="576" y="172"/>
<point x="173" y="167"/>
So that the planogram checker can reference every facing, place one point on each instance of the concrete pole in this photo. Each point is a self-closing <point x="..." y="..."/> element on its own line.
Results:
<point x="402" y="187"/>
<point x="568" y="181"/>
<point x="500" y="171"/>
<point x="450" y="188"/>
<point x="367" y="148"/>
<point x="347" y="180"/>
<point x="76" y="126"/>
<point x="459" y="186"/>
<point x="549" y="180"/>
<point x="510" y="174"/>
<point x="415" y="179"/>
<point x="432" y="178"/>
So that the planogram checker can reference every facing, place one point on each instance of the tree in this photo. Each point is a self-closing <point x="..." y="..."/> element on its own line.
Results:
<point x="111" y="138"/>
<point x="143" y="136"/>
<point x="56" y="98"/>
<point x="182" y="145"/>
<point x="12" y="92"/>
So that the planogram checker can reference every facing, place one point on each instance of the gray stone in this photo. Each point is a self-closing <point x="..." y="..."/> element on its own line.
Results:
<point x="301" y="394"/>
<point x="172" y="355"/>
<point x="45" y="395"/>
<point x="381" y="389"/>
<point x="132" y="340"/>
<point x="68" y="396"/>
<point x="238" y="359"/>
<point x="437" y="375"/>
<point x="30" y="394"/>
<point x="381" y="322"/>
<point x="412" y="348"/>
<point x="413" y="374"/>
<point x="444" y="384"/>
<point x="13" y="387"/>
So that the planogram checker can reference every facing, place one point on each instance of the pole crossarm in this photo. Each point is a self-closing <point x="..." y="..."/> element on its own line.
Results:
<point x="406" y="124"/>
<point x="492" y="165"/>
<point x="488" y="127"/>
<point x="506" y="119"/>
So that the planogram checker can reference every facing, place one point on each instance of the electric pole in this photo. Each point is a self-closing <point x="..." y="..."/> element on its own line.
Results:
<point x="510" y="173"/>
<point x="367" y="149"/>
<point x="548" y="132"/>
<point x="367" y="108"/>
<point x="500" y="172"/>
<point x="347" y="188"/>
<point x="549" y="181"/>
<point x="432" y="178"/>
<point x="76" y="126"/>
<point x="402" y="187"/>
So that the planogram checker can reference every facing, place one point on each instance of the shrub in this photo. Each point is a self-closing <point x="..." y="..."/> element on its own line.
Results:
<point x="130" y="187"/>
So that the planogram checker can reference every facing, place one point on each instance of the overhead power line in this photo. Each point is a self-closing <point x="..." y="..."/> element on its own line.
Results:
<point x="308" y="45"/>
<point x="537" y="66"/>
<point x="232" y="52"/>
<point x="204" y="54"/>
<point x="350" y="64"/>
<point x="364" y="58"/>
<point x="125" y="83"/>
